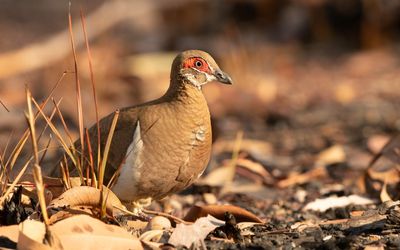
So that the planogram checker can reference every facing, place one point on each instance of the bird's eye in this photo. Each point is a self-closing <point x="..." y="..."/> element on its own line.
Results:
<point x="198" y="64"/>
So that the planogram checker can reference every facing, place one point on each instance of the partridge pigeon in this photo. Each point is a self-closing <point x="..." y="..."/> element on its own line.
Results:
<point x="162" y="146"/>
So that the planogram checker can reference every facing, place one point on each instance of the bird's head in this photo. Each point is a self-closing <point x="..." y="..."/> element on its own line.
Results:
<point x="197" y="68"/>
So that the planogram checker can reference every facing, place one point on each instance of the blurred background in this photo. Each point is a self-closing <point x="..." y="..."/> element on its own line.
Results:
<point x="308" y="74"/>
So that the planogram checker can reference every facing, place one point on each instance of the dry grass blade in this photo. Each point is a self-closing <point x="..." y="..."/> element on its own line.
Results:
<point x="60" y="115"/>
<point x="56" y="133"/>
<point x="4" y="173"/>
<point x="37" y="172"/>
<point x="78" y="89"/>
<point x="91" y="164"/>
<point x="236" y="151"/>
<point x="93" y="86"/>
<point x="16" y="180"/>
<point x="8" y="144"/>
<point x="45" y="149"/>
<point x="53" y="112"/>
<point x="107" y="148"/>
<point x="4" y="106"/>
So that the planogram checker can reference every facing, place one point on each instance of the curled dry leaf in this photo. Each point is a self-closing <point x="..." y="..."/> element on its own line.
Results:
<point x="218" y="212"/>
<point x="87" y="196"/>
<point x="391" y="176"/>
<point x="90" y="233"/>
<point x="186" y="235"/>
<point x="256" y="168"/>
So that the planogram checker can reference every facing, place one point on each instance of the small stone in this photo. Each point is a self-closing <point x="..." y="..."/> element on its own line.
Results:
<point x="159" y="223"/>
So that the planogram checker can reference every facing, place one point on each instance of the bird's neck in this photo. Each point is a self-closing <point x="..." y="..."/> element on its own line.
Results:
<point x="184" y="92"/>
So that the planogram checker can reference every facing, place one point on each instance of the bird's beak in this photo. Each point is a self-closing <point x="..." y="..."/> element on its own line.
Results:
<point x="222" y="77"/>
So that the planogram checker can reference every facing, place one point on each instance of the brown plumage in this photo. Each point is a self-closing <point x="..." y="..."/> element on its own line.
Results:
<point x="164" y="145"/>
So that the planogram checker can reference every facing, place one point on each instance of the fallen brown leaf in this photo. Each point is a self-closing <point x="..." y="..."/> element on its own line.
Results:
<point x="391" y="176"/>
<point x="31" y="236"/>
<point x="295" y="179"/>
<point x="376" y="143"/>
<point x="334" y="154"/>
<point x="85" y="232"/>
<point x="384" y="196"/>
<point x="218" y="212"/>
<point x="10" y="232"/>
<point x="253" y="147"/>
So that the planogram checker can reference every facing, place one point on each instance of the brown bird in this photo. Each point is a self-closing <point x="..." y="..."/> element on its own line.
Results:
<point x="162" y="146"/>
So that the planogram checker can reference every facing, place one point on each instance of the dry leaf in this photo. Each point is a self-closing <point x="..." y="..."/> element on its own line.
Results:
<point x="247" y="187"/>
<point x="85" y="232"/>
<point x="69" y="212"/>
<point x="10" y="232"/>
<point x="331" y="202"/>
<point x="295" y="179"/>
<point x="256" y="168"/>
<point x="376" y="143"/>
<point x="256" y="148"/>
<point x="210" y="198"/>
<point x="136" y="224"/>
<point x="334" y="154"/>
<point x="218" y="212"/>
<point x="31" y="236"/>
<point x="391" y="176"/>
<point x="219" y="177"/>
<point x="384" y="196"/>
<point x="186" y="235"/>
<point x="390" y="151"/>
<point x="86" y="196"/>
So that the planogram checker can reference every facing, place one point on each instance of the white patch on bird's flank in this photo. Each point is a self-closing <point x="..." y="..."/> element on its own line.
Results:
<point x="125" y="187"/>
<point x="200" y="134"/>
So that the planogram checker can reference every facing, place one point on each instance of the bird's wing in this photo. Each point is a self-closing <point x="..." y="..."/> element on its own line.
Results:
<point x="122" y="138"/>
